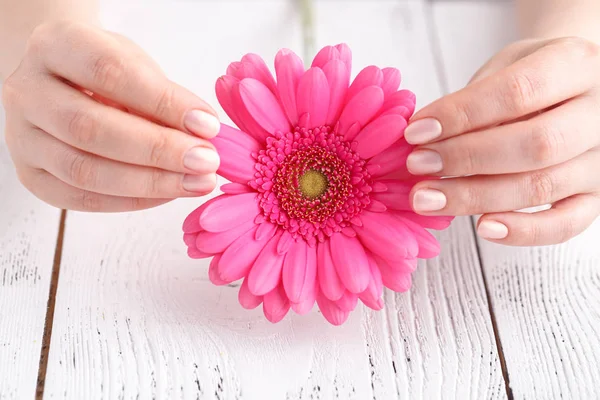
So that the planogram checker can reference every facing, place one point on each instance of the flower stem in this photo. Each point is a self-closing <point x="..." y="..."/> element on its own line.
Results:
<point x="307" y="10"/>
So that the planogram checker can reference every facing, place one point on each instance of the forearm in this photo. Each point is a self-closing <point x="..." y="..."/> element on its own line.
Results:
<point x="559" y="18"/>
<point x="18" y="18"/>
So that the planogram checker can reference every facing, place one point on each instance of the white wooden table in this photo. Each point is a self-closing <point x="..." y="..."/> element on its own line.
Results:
<point x="110" y="307"/>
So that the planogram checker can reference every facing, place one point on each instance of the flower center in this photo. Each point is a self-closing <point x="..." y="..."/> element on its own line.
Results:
<point x="312" y="183"/>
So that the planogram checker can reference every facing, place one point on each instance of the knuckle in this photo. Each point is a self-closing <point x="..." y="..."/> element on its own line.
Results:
<point x="521" y="92"/>
<point x="11" y="94"/>
<point x="164" y="102"/>
<point x="545" y="144"/>
<point x="109" y="71"/>
<point x="158" y="148"/>
<point x="153" y="187"/>
<point x="542" y="187"/>
<point x="468" y="200"/>
<point x="88" y="201"/>
<point x="81" y="170"/>
<point x="462" y="113"/>
<point x="566" y="230"/>
<point x="83" y="127"/>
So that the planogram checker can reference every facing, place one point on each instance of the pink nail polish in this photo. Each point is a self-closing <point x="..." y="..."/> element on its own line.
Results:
<point x="202" y="184"/>
<point x="201" y="160"/>
<point x="423" y="162"/>
<point x="426" y="200"/>
<point x="423" y="131"/>
<point x="202" y="124"/>
<point x="492" y="230"/>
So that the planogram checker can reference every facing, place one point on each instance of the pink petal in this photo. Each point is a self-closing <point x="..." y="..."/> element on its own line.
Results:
<point x="345" y="54"/>
<point x="313" y="96"/>
<point x="265" y="274"/>
<point x="213" y="272"/>
<point x="228" y="94"/>
<point x="338" y="77"/>
<point x="396" y="197"/>
<point x="379" y="135"/>
<point x="276" y="304"/>
<point x="247" y="299"/>
<point x="361" y="108"/>
<point x="331" y="311"/>
<point x="429" y="246"/>
<point x="369" y="76"/>
<point x="347" y="302"/>
<point x="307" y="304"/>
<point x="192" y="221"/>
<point x="190" y="239"/>
<point x="262" y="71"/>
<point x="229" y="211"/>
<point x="372" y="296"/>
<point x="217" y="242"/>
<point x="235" y="188"/>
<point x="402" y="98"/>
<point x="400" y="110"/>
<point x="263" y="106"/>
<point x="325" y="55"/>
<point x="235" y="150"/>
<point x="237" y="260"/>
<point x="386" y="236"/>
<point x="286" y="241"/>
<point x="299" y="271"/>
<point x="394" y="278"/>
<point x="289" y="69"/>
<point x="329" y="282"/>
<point x="391" y="159"/>
<point x="429" y="222"/>
<point x="193" y="252"/>
<point x="391" y="81"/>
<point x="350" y="261"/>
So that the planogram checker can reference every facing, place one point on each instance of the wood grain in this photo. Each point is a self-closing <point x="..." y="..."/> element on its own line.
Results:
<point x="28" y="230"/>
<point x="546" y="300"/>
<point x="135" y="318"/>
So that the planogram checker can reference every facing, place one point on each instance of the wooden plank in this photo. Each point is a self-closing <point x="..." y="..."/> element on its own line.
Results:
<point x="545" y="299"/>
<point x="136" y="318"/>
<point x="28" y="231"/>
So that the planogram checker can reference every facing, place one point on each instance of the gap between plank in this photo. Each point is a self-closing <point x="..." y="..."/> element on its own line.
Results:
<point x="46" y="339"/>
<point x="439" y="66"/>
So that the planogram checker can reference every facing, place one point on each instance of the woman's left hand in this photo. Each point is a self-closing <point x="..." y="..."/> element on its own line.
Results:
<point x="525" y="132"/>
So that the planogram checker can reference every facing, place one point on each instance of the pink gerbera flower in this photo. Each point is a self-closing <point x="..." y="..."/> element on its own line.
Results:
<point x="318" y="207"/>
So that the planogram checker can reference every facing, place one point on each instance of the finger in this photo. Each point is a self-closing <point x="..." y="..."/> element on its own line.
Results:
<point x="559" y="71"/>
<point x="76" y="119"/>
<point x="543" y="140"/>
<point x="55" y="192"/>
<point x="480" y="194"/>
<point x="101" y="63"/>
<point x="566" y="219"/>
<point x="101" y="175"/>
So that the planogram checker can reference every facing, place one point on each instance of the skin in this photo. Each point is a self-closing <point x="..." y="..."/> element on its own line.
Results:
<point x="521" y="134"/>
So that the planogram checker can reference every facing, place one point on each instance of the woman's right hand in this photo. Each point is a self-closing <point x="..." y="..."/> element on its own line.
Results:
<point x="93" y="124"/>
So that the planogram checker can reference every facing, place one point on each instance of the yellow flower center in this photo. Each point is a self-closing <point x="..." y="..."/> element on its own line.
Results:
<point x="312" y="184"/>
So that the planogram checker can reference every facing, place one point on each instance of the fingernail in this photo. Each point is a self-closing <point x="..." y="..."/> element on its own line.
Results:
<point x="492" y="230"/>
<point x="200" y="183"/>
<point x="422" y="131"/>
<point x="422" y="162"/>
<point x="429" y="200"/>
<point x="202" y="160"/>
<point x="202" y="123"/>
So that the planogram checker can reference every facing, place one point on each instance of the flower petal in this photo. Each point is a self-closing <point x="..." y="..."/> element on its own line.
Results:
<point x="347" y="302"/>
<point x="247" y="299"/>
<point x="289" y="69"/>
<point x="193" y="252"/>
<point x="325" y="55"/>
<point x="299" y="271"/>
<point x="369" y="76"/>
<point x="391" y="81"/>
<point x="386" y="236"/>
<point x="313" y="96"/>
<point x="263" y="106"/>
<point x="276" y="304"/>
<point x="401" y="98"/>
<point x="235" y="188"/>
<point x="235" y="150"/>
<point x="265" y="274"/>
<point x="229" y="211"/>
<point x="307" y="304"/>
<point x="361" y="108"/>
<point x="396" y="197"/>
<point x="192" y="221"/>
<point x="217" y="242"/>
<point x="345" y="54"/>
<point x="213" y="272"/>
<point x="394" y="278"/>
<point x="372" y="296"/>
<point x="379" y="135"/>
<point x="429" y="246"/>
<point x="260" y="71"/>
<point x="338" y="77"/>
<point x="228" y="94"/>
<point x="350" y="261"/>
<point x="331" y="311"/>
<point x="392" y="159"/>
<point x="329" y="282"/>
<point x="237" y="260"/>
<point x="437" y="222"/>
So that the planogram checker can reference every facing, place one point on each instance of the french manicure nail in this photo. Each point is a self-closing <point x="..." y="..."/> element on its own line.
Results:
<point x="423" y="162"/>
<point x="202" y="123"/>
<point x="199" y="183"/>
<point x="202" y="160"/>
<point x="492" y="230"/>
<point x="422" y="131"/>
<point x="429" y="200"/>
